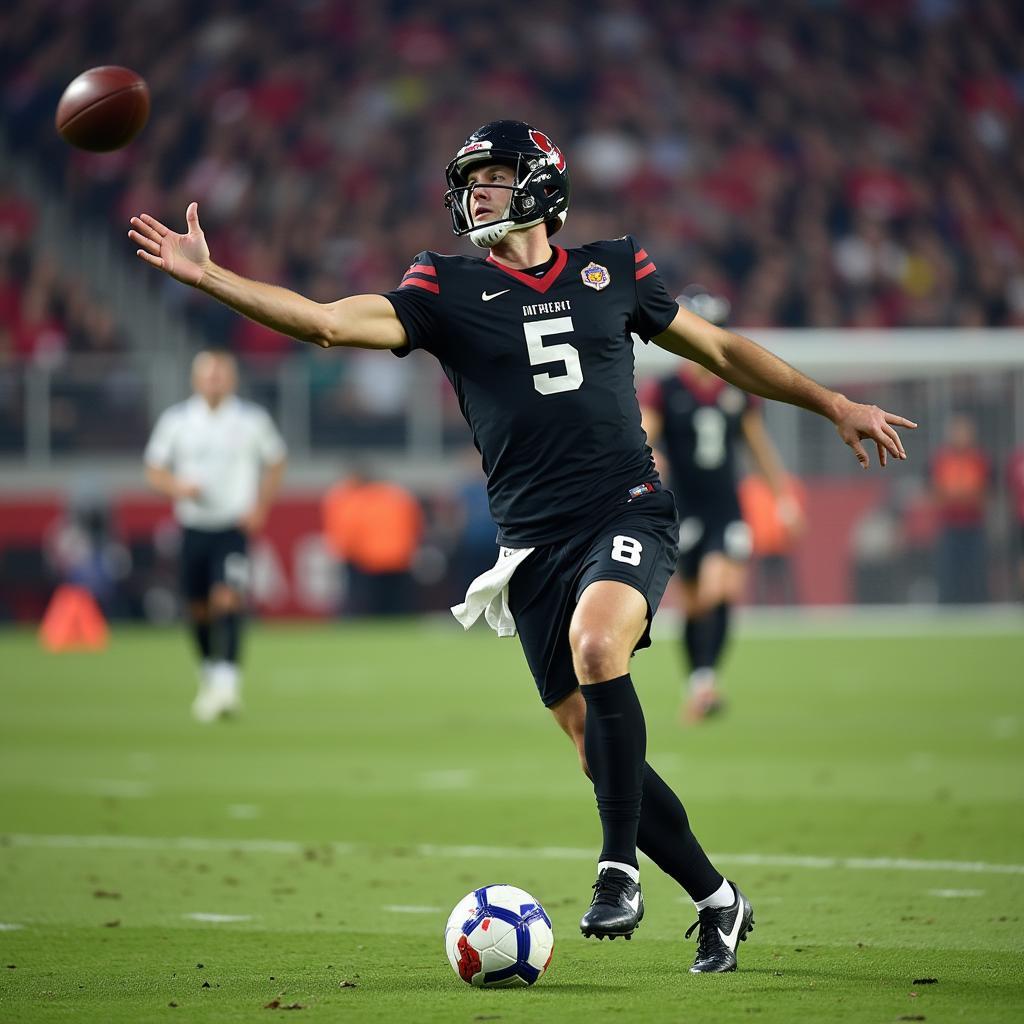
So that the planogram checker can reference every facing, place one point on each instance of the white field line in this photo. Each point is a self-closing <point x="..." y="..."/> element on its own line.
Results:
<point x="217" y="918"/>
<point x="191" y="844"/>
<point x="165" y="844"/>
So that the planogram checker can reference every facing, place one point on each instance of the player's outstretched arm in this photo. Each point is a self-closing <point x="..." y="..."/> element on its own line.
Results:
<point x="364" y="321"/>
<point x="746" y="364"/>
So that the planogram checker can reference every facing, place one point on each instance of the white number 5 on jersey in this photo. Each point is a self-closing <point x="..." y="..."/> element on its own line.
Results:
<point x="540" y="353"/>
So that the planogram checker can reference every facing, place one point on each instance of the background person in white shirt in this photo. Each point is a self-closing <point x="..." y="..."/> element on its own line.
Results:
<point x="221" y="460"/>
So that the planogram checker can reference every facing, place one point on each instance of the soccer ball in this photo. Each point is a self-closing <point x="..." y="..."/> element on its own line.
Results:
<point x="499" y="936"/>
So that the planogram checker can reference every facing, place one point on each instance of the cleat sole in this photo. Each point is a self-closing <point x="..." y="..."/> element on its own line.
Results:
<point x="608" y="935"/>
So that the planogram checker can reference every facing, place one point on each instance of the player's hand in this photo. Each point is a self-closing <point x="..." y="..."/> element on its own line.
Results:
<point x="254" y="521"/>
<point x="187" y="491"/>
<point x="790" y="515"/>
<point x="857" y="423"/>
<point x="184" y="257"/>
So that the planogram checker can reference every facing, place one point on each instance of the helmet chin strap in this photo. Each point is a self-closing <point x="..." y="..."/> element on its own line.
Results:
<point x="491" y="234"/>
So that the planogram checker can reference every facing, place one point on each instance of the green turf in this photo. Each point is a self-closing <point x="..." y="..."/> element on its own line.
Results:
<point x="375" y="756"/>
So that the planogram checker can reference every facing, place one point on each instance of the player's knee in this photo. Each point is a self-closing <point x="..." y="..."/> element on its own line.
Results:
<point x="597" y="654"/>
<point x="224" y="601"/>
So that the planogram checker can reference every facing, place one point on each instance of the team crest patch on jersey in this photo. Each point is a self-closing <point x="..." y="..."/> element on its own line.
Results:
<point x="595" y="276"/>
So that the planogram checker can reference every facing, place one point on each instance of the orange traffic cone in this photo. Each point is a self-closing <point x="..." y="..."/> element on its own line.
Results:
<point x="73" y="621"/>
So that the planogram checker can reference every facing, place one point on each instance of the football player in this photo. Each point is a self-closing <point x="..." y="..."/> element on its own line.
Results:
<point x="698" y="421"/>
<point x="536" y="341"/>
<point x="221" y="461"/>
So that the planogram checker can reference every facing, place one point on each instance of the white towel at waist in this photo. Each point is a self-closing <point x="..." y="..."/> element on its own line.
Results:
<point x="488" y="594"/>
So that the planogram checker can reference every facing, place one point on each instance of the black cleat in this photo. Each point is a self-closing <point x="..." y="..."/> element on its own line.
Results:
<point x="722" y="929"/>
<point x="617" y="907"/>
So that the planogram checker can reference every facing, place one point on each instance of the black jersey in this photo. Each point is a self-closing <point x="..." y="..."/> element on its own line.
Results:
<point x="701" y="424"/>
<point x="543" y="370"/>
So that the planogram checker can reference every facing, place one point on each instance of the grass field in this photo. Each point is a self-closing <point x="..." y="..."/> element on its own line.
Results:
<point x="866" y="791"/>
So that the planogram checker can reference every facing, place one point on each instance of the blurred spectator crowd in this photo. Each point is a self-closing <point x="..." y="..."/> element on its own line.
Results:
<point x="836" y="163"/>
<point x="47" y="314"/>
<point x="822" y="163"/>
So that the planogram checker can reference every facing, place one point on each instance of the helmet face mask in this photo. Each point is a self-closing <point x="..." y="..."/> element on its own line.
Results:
<point x="539" y="193"/>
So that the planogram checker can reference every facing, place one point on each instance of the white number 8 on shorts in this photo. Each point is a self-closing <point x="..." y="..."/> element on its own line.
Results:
<point x="626" y="549"/>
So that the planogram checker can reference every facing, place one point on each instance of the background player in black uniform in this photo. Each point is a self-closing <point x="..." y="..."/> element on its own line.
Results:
<point x="697" y="421"/>
<point x="536" y="342"/>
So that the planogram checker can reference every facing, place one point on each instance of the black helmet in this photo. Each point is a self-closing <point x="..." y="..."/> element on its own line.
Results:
<point x="540" y="194"/>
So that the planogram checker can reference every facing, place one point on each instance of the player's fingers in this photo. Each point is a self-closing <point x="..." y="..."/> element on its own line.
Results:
<point x="160" y="229"/>
<point x="895" y="444"/>
<point x="900" y="421"/>
<point x="192" y="216"/>
<point x="153" y="261"/>
<point x="882" y="453"/>
<point x="147" y="243"/>
<point x="862" y="455"/>
<point x="145" y="229"/>
<point x="882" y="439"/>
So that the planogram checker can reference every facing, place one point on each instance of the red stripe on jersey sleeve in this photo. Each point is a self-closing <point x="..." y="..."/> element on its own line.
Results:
<point x="415" y="282"/>
<point x="640" y="256"/>
<point x="422" y="268"/>
<point x="649" y="269"/>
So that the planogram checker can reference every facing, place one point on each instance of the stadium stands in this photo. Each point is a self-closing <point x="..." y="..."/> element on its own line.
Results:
<point x="843" y="163"/>
<point x="847" y="163"/>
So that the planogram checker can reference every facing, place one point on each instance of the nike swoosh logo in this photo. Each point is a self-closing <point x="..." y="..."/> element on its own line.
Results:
<point x="634" y="901"/>
<point x="487" y="298"/>
<point x="733" y="937"/>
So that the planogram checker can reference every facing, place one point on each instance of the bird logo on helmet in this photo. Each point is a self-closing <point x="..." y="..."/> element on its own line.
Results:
<point x="539" y="193"/>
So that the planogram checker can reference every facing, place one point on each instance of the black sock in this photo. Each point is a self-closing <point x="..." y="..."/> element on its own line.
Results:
<point x="229" y="637"/>
<point x="717" y="632"/>
<point x="201" y="635"/>
<point x="665" y="836"/>
<point x="615" y="742"/>
<point x="698" y="639"/>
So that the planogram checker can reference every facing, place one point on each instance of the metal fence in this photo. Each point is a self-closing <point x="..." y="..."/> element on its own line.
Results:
<point x="349" y="403"/>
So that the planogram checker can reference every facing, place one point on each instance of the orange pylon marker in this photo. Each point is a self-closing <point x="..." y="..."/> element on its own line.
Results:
<point x="73" y="621"/>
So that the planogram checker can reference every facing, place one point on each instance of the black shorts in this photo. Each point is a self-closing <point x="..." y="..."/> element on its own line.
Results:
<point x="209" y="557"/>
<point x="704" y="534"/>
<point x="636" y="544"/>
